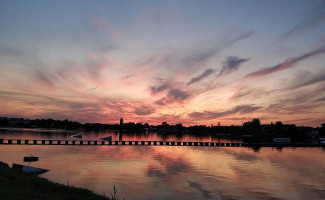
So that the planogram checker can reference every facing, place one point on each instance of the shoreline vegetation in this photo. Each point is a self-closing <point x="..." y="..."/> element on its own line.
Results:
<point x="15" y="184"/>
<point x="251" y="131"/>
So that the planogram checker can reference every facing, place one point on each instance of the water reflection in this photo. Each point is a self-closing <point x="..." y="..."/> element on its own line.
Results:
<point x="116" y="135"/>
<point x="177" y="172"/>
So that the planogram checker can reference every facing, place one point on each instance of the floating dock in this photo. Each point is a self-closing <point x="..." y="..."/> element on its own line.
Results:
<point x="150" y="143"/>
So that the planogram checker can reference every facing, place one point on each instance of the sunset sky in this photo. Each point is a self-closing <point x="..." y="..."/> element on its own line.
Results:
<point x="189" y="62"/>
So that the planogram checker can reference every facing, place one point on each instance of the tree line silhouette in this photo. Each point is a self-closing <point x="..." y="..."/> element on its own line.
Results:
<point x="252" y="131"/>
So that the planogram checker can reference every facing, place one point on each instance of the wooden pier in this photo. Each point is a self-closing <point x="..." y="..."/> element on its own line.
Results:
<point x="149" y="143"/>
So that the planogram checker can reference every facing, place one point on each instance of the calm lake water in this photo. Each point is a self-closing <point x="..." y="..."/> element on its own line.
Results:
<point x="171" y="172"/>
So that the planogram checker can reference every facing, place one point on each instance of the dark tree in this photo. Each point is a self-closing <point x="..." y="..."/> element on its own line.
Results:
<point x="279" y="128"/>
<point x="322" y="130"/>
<point x="253" y="127"/>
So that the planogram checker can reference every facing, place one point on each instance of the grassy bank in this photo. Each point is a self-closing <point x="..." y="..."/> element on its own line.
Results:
<point x="15" y="184"/>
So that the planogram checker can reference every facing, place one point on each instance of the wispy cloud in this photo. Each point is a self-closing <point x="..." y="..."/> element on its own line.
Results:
<point x="302" y="96"/>
<point x="87" y="107"/>
<point x="70" y="75"/>
<point x="241" y="109"/>
<point x="322" y="99"/>
<point x="44" y="78"/>
<point x="192" y="60"/>
<point x="315" y="18"/>
<point x="303" y="79"/>
<point x="246" y="92"/>
<point x="178" y="95"/>
<point x="200" y="56"/>
<point x="160" y="88"/>
<point x="173" y="96"/>
<point x="285" y="65"/>
<point x="92" y="88"/>
<point x="291" y="110"/>
<point x="144" y="110"/>
<point x="205" y="74"/>
<point x="232" y="64"/>
<point x="36" y="104"/>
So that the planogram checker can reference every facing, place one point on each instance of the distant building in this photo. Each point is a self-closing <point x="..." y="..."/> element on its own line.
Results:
<point x="121" y="122"/>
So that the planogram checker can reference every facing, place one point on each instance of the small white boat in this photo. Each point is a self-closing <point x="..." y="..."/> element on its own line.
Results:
<point x="79" y="136"/>
<point x="109" y="138"/>
<point x="29" y="169"/>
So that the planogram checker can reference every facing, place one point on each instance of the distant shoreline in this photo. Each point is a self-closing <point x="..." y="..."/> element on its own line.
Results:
<point x="250" y="132"/>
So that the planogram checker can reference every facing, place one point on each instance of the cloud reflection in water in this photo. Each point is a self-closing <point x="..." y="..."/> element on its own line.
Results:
<point x="148" y="172"/>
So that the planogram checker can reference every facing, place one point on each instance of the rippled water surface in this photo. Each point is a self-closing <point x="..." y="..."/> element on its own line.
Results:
<point x="171" y="172"/>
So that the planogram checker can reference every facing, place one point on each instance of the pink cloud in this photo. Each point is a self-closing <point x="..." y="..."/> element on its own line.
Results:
<point x="105" y="26"/>
<point x="285" y="65"/>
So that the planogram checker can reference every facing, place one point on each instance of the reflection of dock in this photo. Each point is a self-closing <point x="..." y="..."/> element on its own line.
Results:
<point x="150" y="143"/>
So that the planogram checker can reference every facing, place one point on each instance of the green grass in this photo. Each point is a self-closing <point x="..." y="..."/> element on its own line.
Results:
<point x="16" y="184"/>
